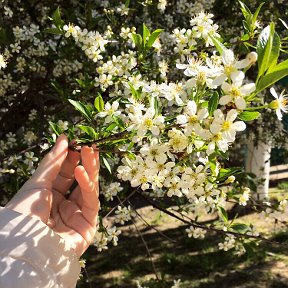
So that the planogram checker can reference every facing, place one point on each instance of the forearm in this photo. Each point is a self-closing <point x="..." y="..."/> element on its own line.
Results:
<point x="32" y="255"/>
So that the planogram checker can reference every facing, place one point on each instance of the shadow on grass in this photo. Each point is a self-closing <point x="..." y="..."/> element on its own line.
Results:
<point x="197" y="263"/>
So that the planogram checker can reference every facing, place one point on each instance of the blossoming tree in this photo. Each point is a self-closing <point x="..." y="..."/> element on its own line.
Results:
<point x="163" y="105"/>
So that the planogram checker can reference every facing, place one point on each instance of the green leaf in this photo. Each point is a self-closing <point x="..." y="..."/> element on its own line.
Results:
<point x="213" y="164"/>
<point x="99" y="103"/>
<point x="249" y="115"/>
<point x="111" y="127"/>
<point x="145" y="33"/>
<point x="56" y="18"/>
<point x="54" y="31"/>
<point x="255" y="15"/>
<point x="107" y="165"/>
<point x="268" y="48"/>
<point x="245" y="10"/>
<point x="152" y="38"/>
<point x="58" y="89"/>
<point x="137" y="39"/>
<point x="213" y="103"/>
<point x="127" y="3"/>
<point x="89" y="131"/>
<point x="273" y="75"/>
<point x="57" y="130"/>
<point x="239" y="227"/>
<point x="82" y="108"/>
<point x="218" y="44"/>
<point x="225" y="173"/>
<point x="134" y="92"/>
<point x="223" y="214"/>
<point x="245" y="37"/>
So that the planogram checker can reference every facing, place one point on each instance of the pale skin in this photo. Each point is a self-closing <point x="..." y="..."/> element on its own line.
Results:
<point x="74" y="217"/>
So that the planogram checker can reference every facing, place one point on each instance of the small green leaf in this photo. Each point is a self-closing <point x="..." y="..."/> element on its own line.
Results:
<point x="99" y="103"/>
<point x="225" y="173"/>
<point x="245" y="10"/>
<point x="223" y="214"/>
<point x="111" y="127"/>
<point x="245" y="37"/>
<point x="152" y="38"/>
<point x="54" y="31"/>
<point x="57" y="130"/>
<point x="268" y="48"/>
<point x="239" y="227"/>
<point x="89" y="131"/>
<point x="273" y="75"/>
<point x="255" y="15"/>
<point x="127" y="3"/>
<point x="137" y="39"/>
<point x="213" y="103"/>
<point x="249" y="115"/>
<point x="82" y="108"/>
<point x="213" y="164"/>
<point x="218" y="44"/>
<point x="134" y="92"/>
<point x="56" y="18"/>
<point x="145" y="33"/>
<point x="107" y="165"/>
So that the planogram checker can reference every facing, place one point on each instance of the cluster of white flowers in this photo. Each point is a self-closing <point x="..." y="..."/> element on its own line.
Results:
<point x="162" y="5"/>
<point x="124" y="214"/>
<point x="229" y="243"/>
<point x="111" y="190"/>
<point x="29" y="160"/>
<point x="30" y="137"/>
<point x="103" y="238"/>
<point x="92" y="43"/>
<point x="65" y="67"/>
<point x="118" y="66"/>
<point x="280" y="213"/>
<point x="196" y="232"/>
<point x="244" y="198"/>
<point x="63" y="125"/>
<point x="3" y="63"/>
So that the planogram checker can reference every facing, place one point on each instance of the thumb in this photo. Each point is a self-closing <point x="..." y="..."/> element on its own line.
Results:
<point x="50" y="166"/>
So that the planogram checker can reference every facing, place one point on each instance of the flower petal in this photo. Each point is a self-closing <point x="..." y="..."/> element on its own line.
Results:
<point x="225" y="99"/>
<point x="231" y="115"/>
<point x="237" y="77"/>
<point x="240" y="103"/>
<point x="239" y="126"/>
<point x="248" y="88"/>
<point x="273" y="92"/>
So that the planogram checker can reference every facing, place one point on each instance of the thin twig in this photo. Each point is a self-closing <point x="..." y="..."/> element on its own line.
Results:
<point x="87" y="277"/>
<point x="154" y="228"/>
<point x="148" y="251"/>
<point x="20" y="152"/>
<point x="121" y="202"/>
<point x="236" y="234"/>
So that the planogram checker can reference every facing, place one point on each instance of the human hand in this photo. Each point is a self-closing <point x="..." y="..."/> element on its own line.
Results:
<point x="43" y="195"/>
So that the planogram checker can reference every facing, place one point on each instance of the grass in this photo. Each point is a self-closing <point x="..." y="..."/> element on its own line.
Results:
<point x="197" y="263"/>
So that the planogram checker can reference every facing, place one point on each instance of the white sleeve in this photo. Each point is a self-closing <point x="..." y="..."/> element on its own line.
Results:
<point x="32" y="255"/>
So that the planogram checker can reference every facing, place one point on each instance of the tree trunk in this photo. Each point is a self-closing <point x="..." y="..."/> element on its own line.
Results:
<point x="258" y="163"/>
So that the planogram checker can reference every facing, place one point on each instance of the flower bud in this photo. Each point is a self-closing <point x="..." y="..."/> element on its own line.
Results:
<point x="275" y="104"/>
<point x="252" y="57"/>
<point x="230" y="179"/>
